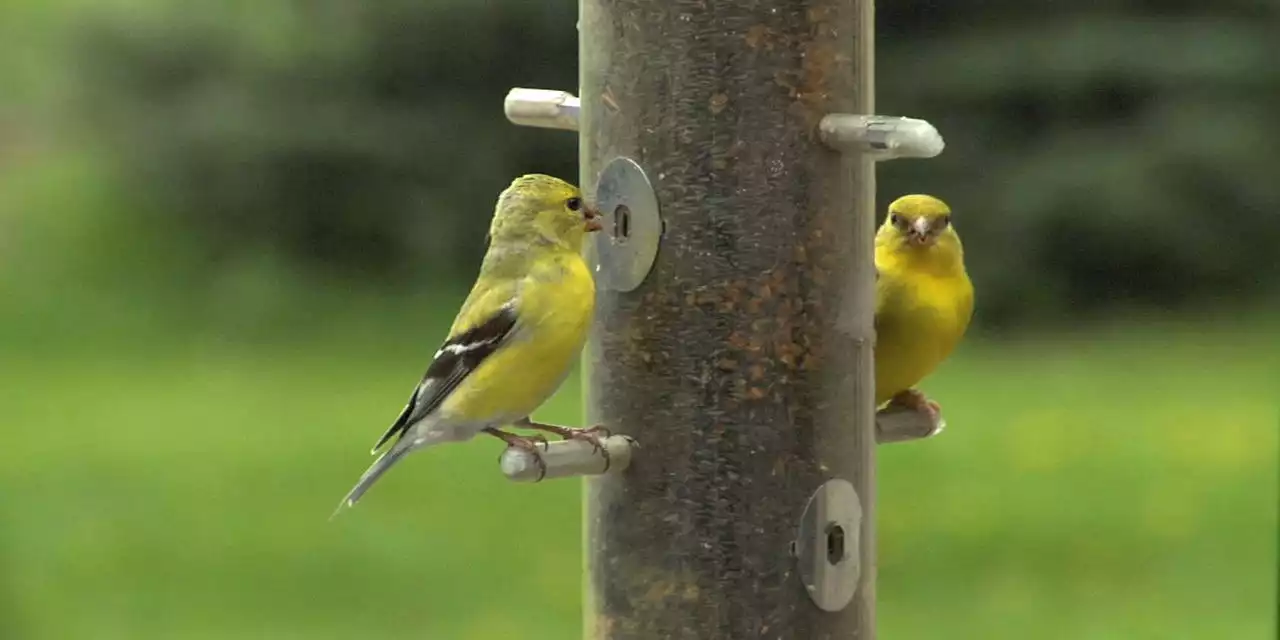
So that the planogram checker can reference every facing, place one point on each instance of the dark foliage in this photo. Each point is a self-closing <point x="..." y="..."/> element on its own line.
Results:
<point x="1117" y="153"/>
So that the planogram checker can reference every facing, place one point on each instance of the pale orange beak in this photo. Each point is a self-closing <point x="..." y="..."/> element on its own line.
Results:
<point x="592" y="216"/>
<point x="921" y="233"/>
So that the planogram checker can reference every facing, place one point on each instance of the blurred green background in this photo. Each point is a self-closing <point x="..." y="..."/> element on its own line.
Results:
<point x="231" y="233"/>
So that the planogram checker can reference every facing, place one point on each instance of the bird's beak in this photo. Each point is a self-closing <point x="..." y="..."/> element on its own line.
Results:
<point x="593" y="219"/>
<point x="921" y="231"/>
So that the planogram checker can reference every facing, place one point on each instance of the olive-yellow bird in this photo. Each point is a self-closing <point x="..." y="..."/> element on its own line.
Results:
<point x="516" y="336"/>
<point x="924" y="298"/>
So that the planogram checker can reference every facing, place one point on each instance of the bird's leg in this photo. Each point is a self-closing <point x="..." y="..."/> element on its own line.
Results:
<point x="524" y="443"/>
<point x="590" y="435"/>
<point x="916" y="400"/>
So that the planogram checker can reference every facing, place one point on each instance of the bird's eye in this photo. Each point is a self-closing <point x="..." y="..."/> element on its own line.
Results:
<point x="898" y="221"/>
<point x="574" y="204"/>
<point x="943" y="221"/>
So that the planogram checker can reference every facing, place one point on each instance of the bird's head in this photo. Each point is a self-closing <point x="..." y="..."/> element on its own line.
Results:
<point x="541" y="208"/>
<point x="920" y="223"/>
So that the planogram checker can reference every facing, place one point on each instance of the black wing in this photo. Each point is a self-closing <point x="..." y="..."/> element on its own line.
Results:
<point x="453" y="362"/>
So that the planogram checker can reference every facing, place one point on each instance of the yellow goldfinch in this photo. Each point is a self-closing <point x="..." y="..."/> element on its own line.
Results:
<point x="516" y="336"/>
<point x="924" y="298"/>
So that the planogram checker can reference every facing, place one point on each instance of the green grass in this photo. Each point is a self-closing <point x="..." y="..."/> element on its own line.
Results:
<point x="1107" y="485"/>
<point x="186" y="494"/>
<point x="1112" y="484"/>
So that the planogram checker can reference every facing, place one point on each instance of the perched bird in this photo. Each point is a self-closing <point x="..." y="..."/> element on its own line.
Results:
<point x="516" y="336"/>
<point x="924" y="298"/>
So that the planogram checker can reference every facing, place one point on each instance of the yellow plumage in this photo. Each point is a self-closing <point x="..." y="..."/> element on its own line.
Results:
<point x="558" y="293"/>
<point x="516" y="336"/>
<point x="924" y="298"/>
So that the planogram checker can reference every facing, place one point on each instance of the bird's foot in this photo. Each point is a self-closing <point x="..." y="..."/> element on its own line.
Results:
<point x="538" y="439"/>
<point x="590" y="435"/>
<point x="915" y="400"/>
<point x="524" y="443"/>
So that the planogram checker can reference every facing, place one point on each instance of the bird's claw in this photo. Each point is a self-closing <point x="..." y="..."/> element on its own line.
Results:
<point x="597" y="432"/>
<point x="592" y="436"/>
<point x="530" y="446"/>
<point x="525" y="443"/>
<point x="916" y="400"/>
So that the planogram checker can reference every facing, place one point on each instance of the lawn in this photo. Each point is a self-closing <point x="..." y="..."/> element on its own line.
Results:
<point x="1119" y="483"/>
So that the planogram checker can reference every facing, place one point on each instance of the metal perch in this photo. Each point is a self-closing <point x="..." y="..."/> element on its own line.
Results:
<point x="568" y="458"/>
<point x="575" y="458"/>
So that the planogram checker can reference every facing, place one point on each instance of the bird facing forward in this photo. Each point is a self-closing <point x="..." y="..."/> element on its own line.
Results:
<point x="516" y="336"/>
<point x="924" y="298"/>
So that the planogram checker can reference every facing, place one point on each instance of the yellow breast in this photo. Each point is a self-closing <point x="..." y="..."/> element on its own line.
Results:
<point x="557" y="300"/>
<point x="921" y="314"/>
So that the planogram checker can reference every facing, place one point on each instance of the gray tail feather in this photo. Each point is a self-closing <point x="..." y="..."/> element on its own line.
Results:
<point x="375" y="471"/>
